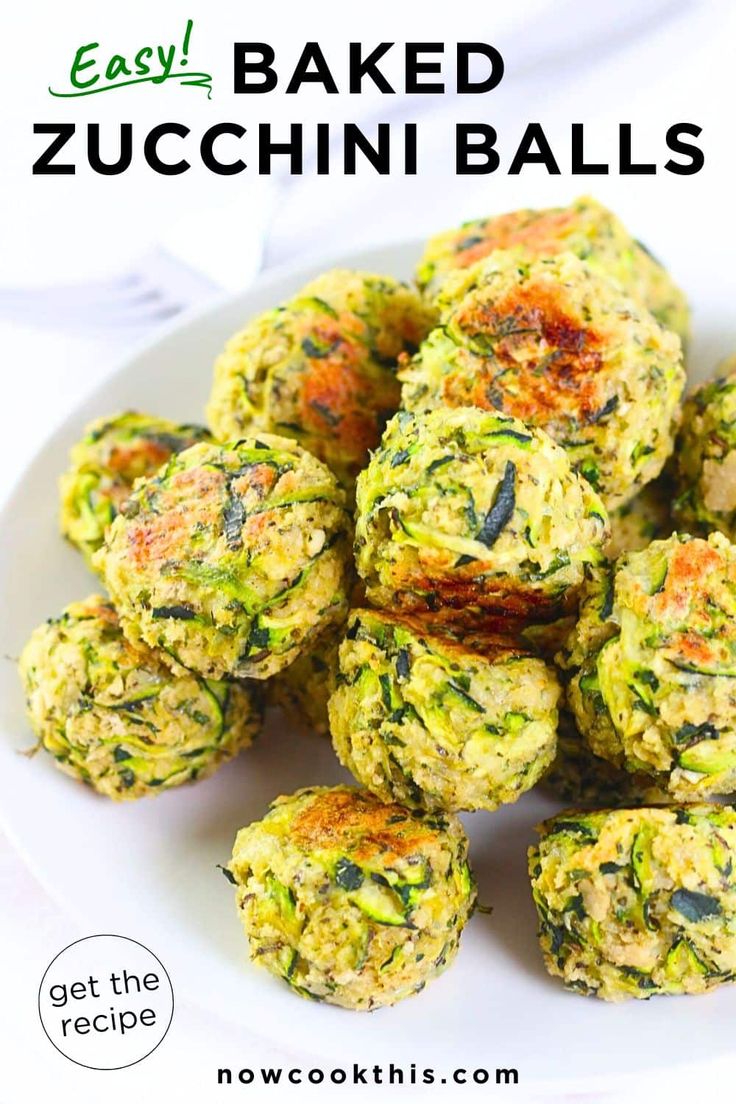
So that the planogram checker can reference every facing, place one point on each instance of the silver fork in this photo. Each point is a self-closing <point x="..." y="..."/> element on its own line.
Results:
<point x="198" y="254"/>
<point x="158" y="288"/>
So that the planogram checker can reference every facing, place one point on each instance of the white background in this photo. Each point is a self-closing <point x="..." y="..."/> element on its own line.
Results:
<point x="648" y="63"/>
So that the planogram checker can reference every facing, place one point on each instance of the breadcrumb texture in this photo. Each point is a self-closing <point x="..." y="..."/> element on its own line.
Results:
<point x="114" y="716"/>
<point x="105" y="464"/>
<point x="586" y="228"/>
<point x="349" y="900"/>
<point x="472" y="512"/>
<point x="322" y="367"/>
<point x="705" y="459"/>
<point x="638" y="902"/>
<point x="579" y="777"/>
<point x="232" y="559"/>
<point x="432" y="721"/>
<point x="653" y="658"/>
<point x="553" y="343"/>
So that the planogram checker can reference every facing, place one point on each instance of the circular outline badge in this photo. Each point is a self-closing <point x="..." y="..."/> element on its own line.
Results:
<point x="105" y="935"/>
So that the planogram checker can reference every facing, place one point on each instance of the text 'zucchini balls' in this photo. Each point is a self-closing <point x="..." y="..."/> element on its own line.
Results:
<point x="114" y="716"/>
<point x="322" y="368"/>
<point x="471" y="512"/>
<point x="638" y="902"/>
<point x="113" y="453"/>
<point x="349" y="900"/>
<point x="705" y="459"/>
<point x="586" y="229"/>
<point x="433" y="722"/>
<point x="654" y="656"/>
<point x="550" y="342"/>
<point x="232" y="558"/>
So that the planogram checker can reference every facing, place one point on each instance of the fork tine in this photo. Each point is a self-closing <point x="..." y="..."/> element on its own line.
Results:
<point x="136" y="304"/>
<point x="154" y="292"/>
<point x="81" y="315"/>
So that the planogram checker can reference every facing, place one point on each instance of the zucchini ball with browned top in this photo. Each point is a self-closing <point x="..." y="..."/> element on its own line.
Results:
<point x="105" y="464"/>
<point x="653" y="662"/>
<point x="232" y="559"/>
<point x="549" y="341"/>
<point x="116" y="717"/>
<point x="638" y="902"/>
<point x="586" y="228"/>
<point x="322" y="368"/>
<point x="349" y="900"/>
<point x="470" y="513"/>
<point x="705" y="457"/>
<point x="435" y="721"/>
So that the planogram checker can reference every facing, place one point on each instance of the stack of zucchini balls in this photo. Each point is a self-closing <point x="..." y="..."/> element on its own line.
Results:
<point x="436" y="523"/>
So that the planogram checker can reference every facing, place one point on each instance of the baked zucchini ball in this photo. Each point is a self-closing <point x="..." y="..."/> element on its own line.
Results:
<point x="654" y="661"/>
<point x="550" y="342"/>
<point x="303" y="690"/>
<point x="580" y="778"/>
<point x="232" y="559"/>
<point x="641" y="520"/>
<point x="322" y="368"/>
<point x="638" y="902"/>
<point x="472" y="512"/>
<point x="105" y="464"/>
<point x="351" y="901"/>
<point x="705" y="457"/>
<point x="114" y="716"/>
<point x="585" y="228"/>
<point x="434" y="722"/>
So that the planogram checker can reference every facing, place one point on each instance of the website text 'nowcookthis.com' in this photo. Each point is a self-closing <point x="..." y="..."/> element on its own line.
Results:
<point x="367" y="1075"/>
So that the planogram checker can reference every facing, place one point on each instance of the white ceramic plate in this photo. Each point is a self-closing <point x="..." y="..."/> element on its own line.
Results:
<point x="148" y="870"/>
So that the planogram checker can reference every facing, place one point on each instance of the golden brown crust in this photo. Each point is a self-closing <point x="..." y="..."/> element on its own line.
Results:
<point x="322" y="368"/>
<point x="337" y="401"/>
<point x="232" y="558"/>
<point x="358" y="823"/>
<point x="684" y="585"/>
<point x="541" y="235"/>
<point x="684" y="594"/>
<point x="157" y="537"/>
<point x="146" y="454"/>
<point x="495" y="640"/>
<point x="467" y="591"/>
<point x="534" y="335"/>
<point x="97" y="606"/>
